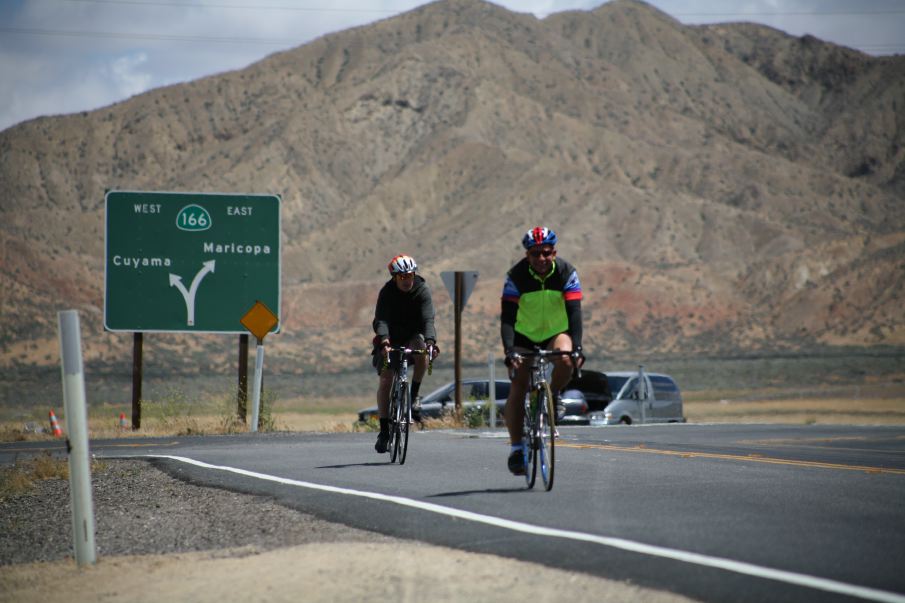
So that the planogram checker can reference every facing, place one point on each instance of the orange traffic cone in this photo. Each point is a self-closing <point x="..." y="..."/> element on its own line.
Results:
<point x="123" y="424"/>
<point x="55" y="425"/>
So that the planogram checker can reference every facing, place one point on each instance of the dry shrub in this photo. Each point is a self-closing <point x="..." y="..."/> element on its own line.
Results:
<point x="49" y="467"/>
<point x="447" y="420"/>
<point x="14" y="481"/>
<point x="21" y="477"/>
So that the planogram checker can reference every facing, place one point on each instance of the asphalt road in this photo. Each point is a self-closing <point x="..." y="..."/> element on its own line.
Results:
<point x="713" y="512"/>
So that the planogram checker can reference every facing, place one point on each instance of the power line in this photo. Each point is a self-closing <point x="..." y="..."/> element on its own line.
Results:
<point x="816" y="13"/>
<point x="238" y="6"/>
<point x="141" y="36"/>
<point x="813" y="13"/>
<point x="269" y="41"/>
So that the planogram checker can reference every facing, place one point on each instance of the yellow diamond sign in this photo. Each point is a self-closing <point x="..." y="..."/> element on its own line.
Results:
<point x="259" y="320"/>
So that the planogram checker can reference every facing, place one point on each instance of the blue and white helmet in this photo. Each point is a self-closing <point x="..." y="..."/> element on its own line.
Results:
<point x="539" y="235"/>
<point x="402" y="264"/>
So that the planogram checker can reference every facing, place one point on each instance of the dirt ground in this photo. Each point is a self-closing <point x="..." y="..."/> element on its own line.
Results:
<point x="326" y="572"/>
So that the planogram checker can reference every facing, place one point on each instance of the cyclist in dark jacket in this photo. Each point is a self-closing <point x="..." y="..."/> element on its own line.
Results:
<point x="541" y="306"/>
<point x="404" y="316"/>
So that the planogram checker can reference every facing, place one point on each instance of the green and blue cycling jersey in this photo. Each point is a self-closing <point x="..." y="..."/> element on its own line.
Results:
<point x="537" y="307"/>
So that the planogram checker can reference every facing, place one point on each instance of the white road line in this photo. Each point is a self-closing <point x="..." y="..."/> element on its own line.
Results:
<point x="739" y="567"/>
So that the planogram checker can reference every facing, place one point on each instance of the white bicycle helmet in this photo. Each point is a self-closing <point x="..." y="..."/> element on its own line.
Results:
<point x="402" y="264"/>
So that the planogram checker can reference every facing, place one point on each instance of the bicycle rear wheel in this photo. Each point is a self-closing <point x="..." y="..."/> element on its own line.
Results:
<point x="405" y="422"/>
<point x="528" y="439"/>
<point x="546" y="434"/>
<point x="394" y="416"/>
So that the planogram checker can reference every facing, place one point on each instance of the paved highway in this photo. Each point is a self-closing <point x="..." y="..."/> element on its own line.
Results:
<point x="714" y="512"/>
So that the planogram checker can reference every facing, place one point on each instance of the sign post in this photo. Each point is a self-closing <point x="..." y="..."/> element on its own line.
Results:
<point x="137" y="355"/>
<point x="242" y="410"/>
<point x="459" y="284"/>
<point x="259" y="320"/>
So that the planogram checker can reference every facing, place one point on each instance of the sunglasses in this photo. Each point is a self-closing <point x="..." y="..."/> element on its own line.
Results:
<point x="536" y="253"/>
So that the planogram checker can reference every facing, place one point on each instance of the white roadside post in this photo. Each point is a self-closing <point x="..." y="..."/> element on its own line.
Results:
<point x="642" y="393"/>
<point x="256" y="394"/>
<point x="77" y="442"/>
<point x="491" y="390"/>
<point x="260" y="321"/>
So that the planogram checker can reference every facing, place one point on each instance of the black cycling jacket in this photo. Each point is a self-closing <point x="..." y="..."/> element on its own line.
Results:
<point x="399" y="316"/>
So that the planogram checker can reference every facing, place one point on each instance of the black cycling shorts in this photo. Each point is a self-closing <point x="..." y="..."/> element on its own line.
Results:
<point x="523" y="342"/>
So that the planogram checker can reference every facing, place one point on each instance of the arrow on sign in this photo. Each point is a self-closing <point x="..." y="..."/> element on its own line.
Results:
<point x="189" y="296"/>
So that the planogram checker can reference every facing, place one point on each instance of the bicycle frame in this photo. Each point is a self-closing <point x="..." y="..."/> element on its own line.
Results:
<point x="400" y="407"/>
<point x="540" y="419"/>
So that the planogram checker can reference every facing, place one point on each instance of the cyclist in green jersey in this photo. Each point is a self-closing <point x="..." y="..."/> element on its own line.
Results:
<point x="541" y="306"/>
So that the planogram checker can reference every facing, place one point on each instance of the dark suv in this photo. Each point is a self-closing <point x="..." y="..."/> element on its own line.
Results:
<point x="583" y="395"/>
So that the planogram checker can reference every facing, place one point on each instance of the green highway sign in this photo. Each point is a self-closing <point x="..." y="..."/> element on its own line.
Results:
<point x="189" y="262"/>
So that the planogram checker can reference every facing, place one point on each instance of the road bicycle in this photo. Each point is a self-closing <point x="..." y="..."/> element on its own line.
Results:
<point x="539" y="426"/>
<point x="400" y="410"/>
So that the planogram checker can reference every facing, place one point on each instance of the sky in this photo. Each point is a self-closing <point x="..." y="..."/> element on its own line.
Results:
<point x="66" y="56"/>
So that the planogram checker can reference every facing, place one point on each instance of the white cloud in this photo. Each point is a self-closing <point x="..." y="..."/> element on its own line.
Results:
<point x="126" y="76"/>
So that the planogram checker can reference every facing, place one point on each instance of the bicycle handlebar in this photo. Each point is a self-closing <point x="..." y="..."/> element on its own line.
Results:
<point x="406" y="350"/>
<point x="540" y="353"/>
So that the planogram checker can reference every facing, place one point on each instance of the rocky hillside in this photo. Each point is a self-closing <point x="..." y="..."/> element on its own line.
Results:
<point x="720" y="188"/>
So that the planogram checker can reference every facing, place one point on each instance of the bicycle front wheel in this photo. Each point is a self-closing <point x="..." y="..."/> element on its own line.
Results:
<point x="545" y="436"/>
<point x="406" y="420"/>
<point x="529" y="439"/>
<point x="395" y="415"/>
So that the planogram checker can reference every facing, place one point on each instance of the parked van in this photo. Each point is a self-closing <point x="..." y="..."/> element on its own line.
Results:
<point x="635" y="397"/>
